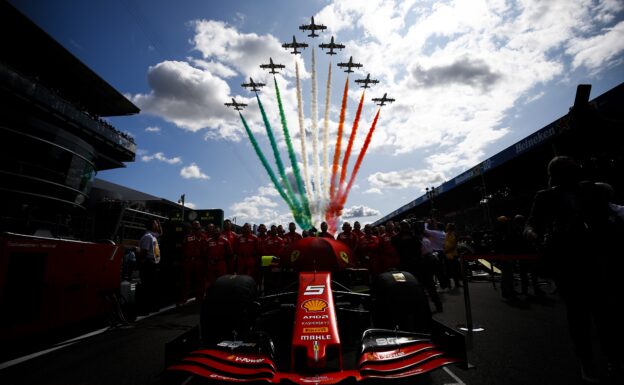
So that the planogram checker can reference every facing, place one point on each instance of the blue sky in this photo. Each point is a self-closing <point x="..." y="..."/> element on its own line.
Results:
<point x="469" y="77"/>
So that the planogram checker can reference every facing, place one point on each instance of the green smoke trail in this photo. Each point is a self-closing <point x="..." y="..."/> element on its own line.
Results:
<point x="291" y="154"/>
<point x="297" y="213"/>
<point x="266" y="165"/>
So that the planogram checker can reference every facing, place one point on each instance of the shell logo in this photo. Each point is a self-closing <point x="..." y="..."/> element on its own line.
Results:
<point x="344" y="256"/>
<point x="314" y="305"/>
<point x="294" y="255"/>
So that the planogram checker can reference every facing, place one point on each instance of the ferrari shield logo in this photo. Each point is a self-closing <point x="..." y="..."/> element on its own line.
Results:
<point x="294" y="255"/>
<point x="344" y="256"/>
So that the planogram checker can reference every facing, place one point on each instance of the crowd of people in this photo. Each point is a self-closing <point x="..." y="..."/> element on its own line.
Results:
<point x="425" y="248"/>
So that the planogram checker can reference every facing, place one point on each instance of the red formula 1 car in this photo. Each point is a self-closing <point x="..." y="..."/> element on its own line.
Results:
<point x="320" y="327"/>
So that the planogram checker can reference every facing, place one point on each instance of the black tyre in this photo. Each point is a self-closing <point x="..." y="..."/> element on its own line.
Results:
<point x="398" y="300"/>
<point x="229" y="308"/>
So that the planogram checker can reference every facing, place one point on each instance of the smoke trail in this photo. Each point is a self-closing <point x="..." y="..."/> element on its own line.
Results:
<point x="325" y="188"/>
<point x="278" y="159"/>
<point x="358" y="163"/>
<point x="345" y="161"/>
<point x="302" y="134"/>
<point x="343" y="110"/>
<point x="266" y="165"/>
<point x="315" y="154"/>
<point x="293" y="158"/>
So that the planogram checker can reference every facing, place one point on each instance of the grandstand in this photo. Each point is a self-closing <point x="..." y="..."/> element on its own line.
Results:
<point x="504" y="184"/>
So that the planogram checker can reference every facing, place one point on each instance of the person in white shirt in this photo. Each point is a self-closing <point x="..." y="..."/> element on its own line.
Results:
<point x="149" y="260"/>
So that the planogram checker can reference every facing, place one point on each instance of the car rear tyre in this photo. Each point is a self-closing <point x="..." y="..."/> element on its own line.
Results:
<point x="398" y="300"/>
<point x="229" y="308"/>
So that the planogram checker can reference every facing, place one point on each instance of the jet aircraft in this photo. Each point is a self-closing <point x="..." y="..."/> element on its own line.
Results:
<point x="237" y="106"/>
<point x="365" y="83"/>
<point x="294" y="45"/>
<point x="332" y="46"/>
<point x="253" y="85"/>
<point x="272" y="66"/>
<point x="383" y="100"/>
<point x="350" y="64"/>
<point x="312" y="27"/>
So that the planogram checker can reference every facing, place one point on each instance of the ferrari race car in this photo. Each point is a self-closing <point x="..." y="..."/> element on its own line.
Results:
<point x="321" y="326"/>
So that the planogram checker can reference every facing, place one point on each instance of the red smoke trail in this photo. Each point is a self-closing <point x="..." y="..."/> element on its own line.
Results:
<point x="343" y="198"/>
<point x="343" y="110"/>
<point x="345" y="160"/>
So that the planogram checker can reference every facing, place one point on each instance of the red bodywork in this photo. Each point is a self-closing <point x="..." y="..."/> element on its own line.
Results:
<point x="316" y="349"/>
<point x="316" y="327"/>
<point x="48" y="283"/>
<point x="315" y="334"/>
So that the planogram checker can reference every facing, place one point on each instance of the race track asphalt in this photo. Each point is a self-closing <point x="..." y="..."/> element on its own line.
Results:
<point x="524" y="342"/>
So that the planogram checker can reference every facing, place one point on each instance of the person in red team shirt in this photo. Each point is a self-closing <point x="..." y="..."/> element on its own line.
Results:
<point x="273" y="244"/>
<point x="292" y="235"/>
<point x="218" y="252"/>
<point x="357" y="230"/>
<point x="347" y="237"/>
<point x="246" y="249"/>
<point x="231" y="236"/>
<point x="388" y="256"/>
<point x="280" y="231"/>
<point x="368" y="250"/>
<point x="324" y="233"/>
<point x="262" y="236"/>
<point x="194" y="251"/>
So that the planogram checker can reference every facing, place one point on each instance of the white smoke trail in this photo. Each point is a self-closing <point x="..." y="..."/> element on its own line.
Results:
<point x="315" y="153"/>
<point x="325" y="189"/>
<point x="302" y="133"/>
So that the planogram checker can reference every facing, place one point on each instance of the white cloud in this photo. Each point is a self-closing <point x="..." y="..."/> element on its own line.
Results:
<point x="189" y="97"/>
<point x="216" y="68"/>
<point x="359" y="212"/>
<point x="456" y="69"/>
<point x="152" y="129"/>
<point x="268" y="190"/>
<point x="216" y="40"/>
<point x="407" y="178"/>
<point x="595" y="51"/>
<point x="259" y="209"/>
<point x="373" y="190"/>
<point x="192" y="172"/>
<point x="190" y="205"/>
<point x="162" y="158"/>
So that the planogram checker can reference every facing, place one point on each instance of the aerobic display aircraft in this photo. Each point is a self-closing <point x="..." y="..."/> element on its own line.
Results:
<point x="332" y="46"/>
<point x="294" y="45"/>
<point x="312" y="27"/>
<point x="272" y="66"/>
<point x="350" y="64"/>
<point x="383" y="100"/>
<point x="365" y="83"/>
<point x="253" y="85"/>
<point x="237" y="106"/>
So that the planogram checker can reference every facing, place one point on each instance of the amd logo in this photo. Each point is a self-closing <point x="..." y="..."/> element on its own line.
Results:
<point x="324" y="316"/>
